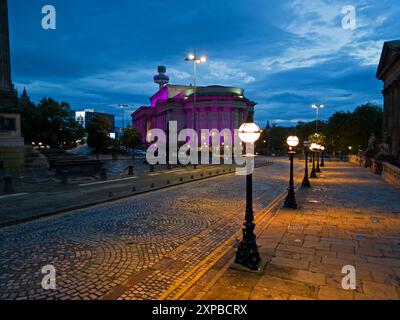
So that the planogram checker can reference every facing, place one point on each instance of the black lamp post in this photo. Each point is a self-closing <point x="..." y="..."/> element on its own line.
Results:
<point x="306" y="182"/>
<point x="322" y="156"/>
<point x="313" y="174"/>
<point x="318" y="169"/>
<point x="247" y="253"/>
<point x="290" y="201"/>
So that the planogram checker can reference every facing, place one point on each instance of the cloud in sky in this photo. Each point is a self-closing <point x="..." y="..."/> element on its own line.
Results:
<point x="285" y="54"/>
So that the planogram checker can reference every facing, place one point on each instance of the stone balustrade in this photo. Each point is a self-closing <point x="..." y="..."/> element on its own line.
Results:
<point x="391" y="173"/>
<point x="355" y="159"/>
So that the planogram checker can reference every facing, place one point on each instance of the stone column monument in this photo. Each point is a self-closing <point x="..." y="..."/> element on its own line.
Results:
<point x="12" y="149"/>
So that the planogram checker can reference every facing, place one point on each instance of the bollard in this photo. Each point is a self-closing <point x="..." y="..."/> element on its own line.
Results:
<point x="210" y="173"/>
<point x="168" y="182"/>
<point x="133" y="189"/>
<point x="64" y="177"/>
<point x="110" y="194"/>
<point x="192" y="177"/>
<point x="130" y="170"/>
<point x="8" y="185"/>
<point x="152" y="185"/>
<point x="103" y="174"/>
<point x="152" y="168"/>
<point x="181" y="179"/>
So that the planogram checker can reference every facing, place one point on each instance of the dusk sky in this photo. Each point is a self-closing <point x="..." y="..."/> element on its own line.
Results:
<point x="285" y="54"/>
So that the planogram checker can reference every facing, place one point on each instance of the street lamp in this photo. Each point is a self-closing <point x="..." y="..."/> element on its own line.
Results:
<point x="290" y="201"/>
<point x="318" y="150"/>
<point x="196" y="60"/>
<point x="123" y="107"/>
<point x="306" y="181"/>
<point x="313" y="148"/>
<point x="322" y="156"/>
<point x="247" y="254"/>
<point x="317" y="107"/>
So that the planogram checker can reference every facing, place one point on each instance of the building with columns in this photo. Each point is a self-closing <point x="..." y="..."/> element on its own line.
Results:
<point x="211" y="107"/>
<point x="389" y="73"/>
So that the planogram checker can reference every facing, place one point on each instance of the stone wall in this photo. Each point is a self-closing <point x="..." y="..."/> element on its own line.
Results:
<point x="355" y="159"/>
<point x="391" y="173"/>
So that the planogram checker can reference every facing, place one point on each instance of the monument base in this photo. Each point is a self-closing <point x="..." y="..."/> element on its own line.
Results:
<point x="18" y="157"/>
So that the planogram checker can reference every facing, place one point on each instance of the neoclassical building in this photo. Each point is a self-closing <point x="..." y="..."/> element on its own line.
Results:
<point x="389" y="73"/>
<point x="212" y="107"/>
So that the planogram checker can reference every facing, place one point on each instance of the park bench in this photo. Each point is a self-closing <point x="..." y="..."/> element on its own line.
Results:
<point x="79" y="167"/>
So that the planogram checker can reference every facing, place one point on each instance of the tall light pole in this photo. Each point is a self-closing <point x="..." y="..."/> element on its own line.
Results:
<point x="317" y="107"/>
<point x="196" y="60"/>
<point x="123" y="107"/>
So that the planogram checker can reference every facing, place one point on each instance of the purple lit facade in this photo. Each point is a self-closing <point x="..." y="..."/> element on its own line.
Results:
<point x="215" y="107"/>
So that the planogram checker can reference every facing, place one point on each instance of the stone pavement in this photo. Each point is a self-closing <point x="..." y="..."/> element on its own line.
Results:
<point x="50" y="197"/>
<point x="141" y="247"/>
<point x="349" y="217"/>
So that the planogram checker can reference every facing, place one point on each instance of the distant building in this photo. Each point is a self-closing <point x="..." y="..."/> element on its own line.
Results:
<point x="389" y="72"/>
<point x="84" y="117"/>
<point x="214" y="107"/>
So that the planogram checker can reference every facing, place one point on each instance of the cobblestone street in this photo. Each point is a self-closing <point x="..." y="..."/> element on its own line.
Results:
<point x="135" y="248"/>
<point x="349" y="217"/>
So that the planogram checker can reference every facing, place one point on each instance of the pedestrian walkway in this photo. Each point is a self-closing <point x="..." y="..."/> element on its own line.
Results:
<point x="348" y="218"/>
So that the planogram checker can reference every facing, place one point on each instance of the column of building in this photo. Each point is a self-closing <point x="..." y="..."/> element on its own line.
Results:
<point x="396" y="118"/>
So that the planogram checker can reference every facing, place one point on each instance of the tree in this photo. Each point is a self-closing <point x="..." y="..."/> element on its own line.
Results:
<point x="366" y="119"/>
<point x="131" y="137"/>
<point x="276" y="138"/>
<point x="317" y="138"/>
<point x="98" y="135"/>
<point x="51" y="123"/>
<point x="353" y="129"/>
<point x="29" y="121"/>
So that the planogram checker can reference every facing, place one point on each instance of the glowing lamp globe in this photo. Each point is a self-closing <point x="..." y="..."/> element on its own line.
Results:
<point x="292" y="141"/>
<point x="322" y="148"/>
<point x="249" y="132"/>
<point x="314" y="146"/>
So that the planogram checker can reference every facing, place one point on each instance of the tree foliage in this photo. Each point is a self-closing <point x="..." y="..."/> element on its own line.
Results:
<point x="341" y="131"/>
<point x="98" y="135"/>
<point x="51" y="123"/>
<point x="131" y="137"/>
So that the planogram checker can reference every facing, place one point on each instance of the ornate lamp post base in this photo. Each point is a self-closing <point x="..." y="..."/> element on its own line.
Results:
<point x="247" y="253"/>
<point x="290" y="201"/>
<point x="306" y="183"/>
